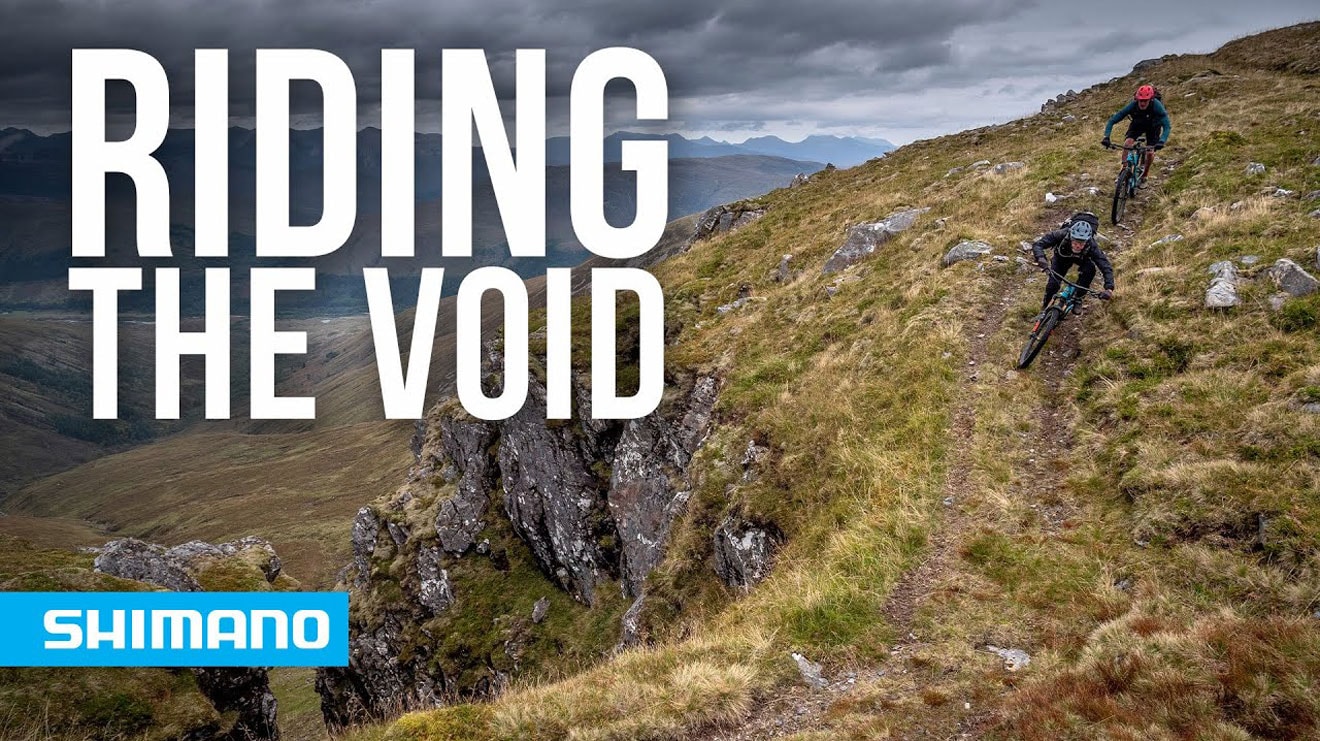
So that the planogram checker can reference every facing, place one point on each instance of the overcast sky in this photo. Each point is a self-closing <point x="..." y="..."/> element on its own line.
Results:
<point x="898" y="69"/>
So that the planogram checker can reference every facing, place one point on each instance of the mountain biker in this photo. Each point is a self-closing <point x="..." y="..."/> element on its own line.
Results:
<point x="1149" y="119"/>
<point x="1073" y="244"/>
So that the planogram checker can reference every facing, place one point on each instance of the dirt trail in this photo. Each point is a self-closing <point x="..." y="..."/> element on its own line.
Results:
<point x="799" y="708"/>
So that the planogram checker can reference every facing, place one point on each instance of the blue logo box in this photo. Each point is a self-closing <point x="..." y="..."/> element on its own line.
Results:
<point x="174" y="629"/>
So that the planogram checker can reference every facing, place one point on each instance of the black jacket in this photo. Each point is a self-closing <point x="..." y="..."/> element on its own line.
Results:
<point x="1057" y="241"/>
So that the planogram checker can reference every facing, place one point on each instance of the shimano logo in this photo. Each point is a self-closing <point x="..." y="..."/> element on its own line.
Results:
<point x="174" y="628"/>
<point x="179" y="629"/>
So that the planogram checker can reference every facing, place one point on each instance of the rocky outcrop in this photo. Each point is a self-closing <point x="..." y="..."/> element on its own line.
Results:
<point x="553" y="497"/>
<point x="591" y="501"/>
<point x="863" y="239"/>
<point x="240" y="695"/>
<point x="729" y="216"/>
<point x="466" y="445"/>
<point x="649" y="485"/>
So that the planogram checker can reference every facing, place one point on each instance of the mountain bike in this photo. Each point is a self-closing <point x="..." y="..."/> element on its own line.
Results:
<point x="1129" y="178"/>
<point x="1064" y="303"/>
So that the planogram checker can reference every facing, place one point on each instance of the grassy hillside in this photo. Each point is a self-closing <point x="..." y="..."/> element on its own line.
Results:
<point x="1139" y="512"/>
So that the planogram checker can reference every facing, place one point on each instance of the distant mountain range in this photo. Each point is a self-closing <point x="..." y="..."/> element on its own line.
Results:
<point x="837" y="150"/>
<point x="35" y="215"/>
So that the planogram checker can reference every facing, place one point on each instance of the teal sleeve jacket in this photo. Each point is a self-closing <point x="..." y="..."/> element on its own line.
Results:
<point x="1157" y="112"/>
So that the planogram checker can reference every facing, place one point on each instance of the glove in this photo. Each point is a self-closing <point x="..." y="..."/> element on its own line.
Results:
<point x="1105" y="142"/>
<point x="1043" y="267"/>
<point x="1106" y="294"/>
<point x="1159" y="146"/>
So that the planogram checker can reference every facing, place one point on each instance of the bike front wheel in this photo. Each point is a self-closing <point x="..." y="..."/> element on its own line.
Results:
<point x="1120" y="196"/>
<point x="1039" y="335"/>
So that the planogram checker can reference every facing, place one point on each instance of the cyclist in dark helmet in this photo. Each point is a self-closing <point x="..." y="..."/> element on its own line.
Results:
<point x="1149" y="118"/>
<point x="1074" y="244"/>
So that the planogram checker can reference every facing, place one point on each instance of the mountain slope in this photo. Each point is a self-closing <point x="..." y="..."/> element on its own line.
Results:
<point x="1139" y="513"/>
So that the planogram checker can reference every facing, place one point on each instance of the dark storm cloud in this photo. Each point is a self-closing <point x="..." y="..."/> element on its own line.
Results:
<point x="898" y="68"/>
<point x="705" y="48"/>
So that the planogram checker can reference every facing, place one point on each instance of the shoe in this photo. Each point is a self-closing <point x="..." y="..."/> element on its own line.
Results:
<point x="1078" y="310"/>
<point x="1141" y="184"/>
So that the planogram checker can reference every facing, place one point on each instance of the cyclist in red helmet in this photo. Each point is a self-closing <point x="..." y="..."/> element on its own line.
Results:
<point x="1149" y="119"/>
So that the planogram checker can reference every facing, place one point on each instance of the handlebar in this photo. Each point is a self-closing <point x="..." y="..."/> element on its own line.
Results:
<point x="1099" y="294"/>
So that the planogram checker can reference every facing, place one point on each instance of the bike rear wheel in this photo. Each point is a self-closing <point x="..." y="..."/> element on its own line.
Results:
<point x="1120" y="196"/>
<point x="1038" y="337"/>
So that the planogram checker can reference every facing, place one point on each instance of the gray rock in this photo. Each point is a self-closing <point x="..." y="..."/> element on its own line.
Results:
<point x="466" y="448"/>
<point x="362" y="537"/>
<point x="1311" y="408"/>
<point x="732" y="306"/>
<point x="966" y="250"/>
<point x="782" y="273"/>
<point x="1222" y="292"/>
<point x="1317" y="258"/>
<point x="1283" y="193"/>
<point x="743" y="553"/>
<point x="1312" y="196"/>
<point x="863" y="239"/>
<point x="433" y="589"/>
<point x="1291" y="278"/>
<point x="242" y="696"/>
<point x="1069" y="118"/>
<point x="1277" y="301"/>
<point x="1315" y="214"/>
<point x="1051" y="197"/>
<point x="979" y="164"/>
<point x="540" y="610"/>
<point x="1170" y="239"/>
<point x="1203" y="213"/>
<point x="1014" y="658"/>
<point x="1249" y="260"/>
<point x="953" y="171"/>
<point x="176" y="568"/>
<point x="1255" y="168"/>
<point x="1146" y="64"/>
<point x="798" y="180"/>
<point x="649" y="486"/>
<point x="810" y="671"/>
<point x="1007" y="167"/>
<point x="632" y="624"/>
<point x="726" y="217"/>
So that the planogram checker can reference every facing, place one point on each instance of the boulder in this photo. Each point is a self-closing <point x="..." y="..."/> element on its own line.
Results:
<point x="1170" y="239"/>
<point x="1222" y="292"/>
<point x="1291" y="278"/>
<point x="1255" y="168"/>
<point x="863" y="239"/>
<point x="540" y="610"/>
<point x="966" y="250"/>
<point x="1004" y="168"/>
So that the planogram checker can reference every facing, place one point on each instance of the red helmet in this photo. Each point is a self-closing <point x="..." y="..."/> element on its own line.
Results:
<point x="1146" y="92"/>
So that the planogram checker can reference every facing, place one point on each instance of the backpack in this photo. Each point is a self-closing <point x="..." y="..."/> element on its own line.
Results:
<point x="1086" y="216"/>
